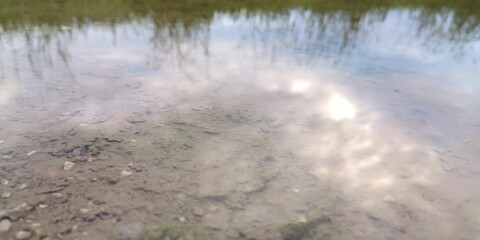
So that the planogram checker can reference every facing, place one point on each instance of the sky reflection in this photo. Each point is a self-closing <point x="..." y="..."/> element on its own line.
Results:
<point x="266" y="118"/>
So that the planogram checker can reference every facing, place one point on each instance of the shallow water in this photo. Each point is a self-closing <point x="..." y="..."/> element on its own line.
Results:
<point x="212" y="120"/>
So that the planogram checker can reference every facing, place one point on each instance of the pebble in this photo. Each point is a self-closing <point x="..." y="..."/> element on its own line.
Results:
<point x="22" y="186"/>
<point x="82" y="124"/>
<point x="301" y="219"/>
<point x="42" y="206"/>
<point x="4" y="182"/>
<point x="75" y="227"/>
<point x="57" y="195"/>
<point x="6" y="195"/>
<point x="22" y="235"/>
<point x="126" y="173"/>
<point x="84" y="210"/>
<point x="31" y="153"/>
<point x="112" y="180"/>
<point x="198" y="212"/>
<point x="67" y="166"/>
<point x="296" y="190"/>
<point x="35" y="225"/>
<point x="2" y="141"/>
<point x="182" y="219"/>
<point x="5" y="225"/>
<point x="7" y="157"/>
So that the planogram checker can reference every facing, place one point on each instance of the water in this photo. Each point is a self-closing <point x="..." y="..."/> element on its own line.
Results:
<point x="254" y="120"/>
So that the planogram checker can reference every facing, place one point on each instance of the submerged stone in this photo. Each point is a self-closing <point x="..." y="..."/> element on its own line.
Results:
<point x="22" y="235"/>
<point x="5" y="225"/>
<point x="130" y="230"/>
<point x="303" y="230"/>
<point x="67" y="166"/>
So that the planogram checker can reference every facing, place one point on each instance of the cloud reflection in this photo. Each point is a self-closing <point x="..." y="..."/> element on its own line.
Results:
<point x="340" y="108"/>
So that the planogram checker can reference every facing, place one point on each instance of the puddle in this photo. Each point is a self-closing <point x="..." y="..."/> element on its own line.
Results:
<point x="227" y="121"/>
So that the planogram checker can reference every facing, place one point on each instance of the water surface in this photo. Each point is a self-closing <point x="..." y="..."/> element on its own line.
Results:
<point x="253" y="120"/>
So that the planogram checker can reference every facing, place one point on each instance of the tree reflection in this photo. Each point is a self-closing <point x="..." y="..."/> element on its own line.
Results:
<point x="331" y="29"/>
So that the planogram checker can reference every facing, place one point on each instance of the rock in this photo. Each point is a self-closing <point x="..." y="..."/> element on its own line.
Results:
<point x="22" y="186"/>
<point x="5" y="225"/>
<point x="7" y="157"/>
<point x="112" y="180"/>
<point x="6" y="195"/>
<point x="31" y="153"/>
<point x="198" y="212"/>
<point x="2" y="141"/>
<point x="126" y="173"/>
<point x="130" y="230"/>
<point x="80" y="150"/>
<point x="8" y="152"/>
<point x="22" y="235"/>
<point x="67" y="166"/>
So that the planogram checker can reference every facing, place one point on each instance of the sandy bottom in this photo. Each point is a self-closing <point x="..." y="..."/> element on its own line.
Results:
<point x="213" y="164"/>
